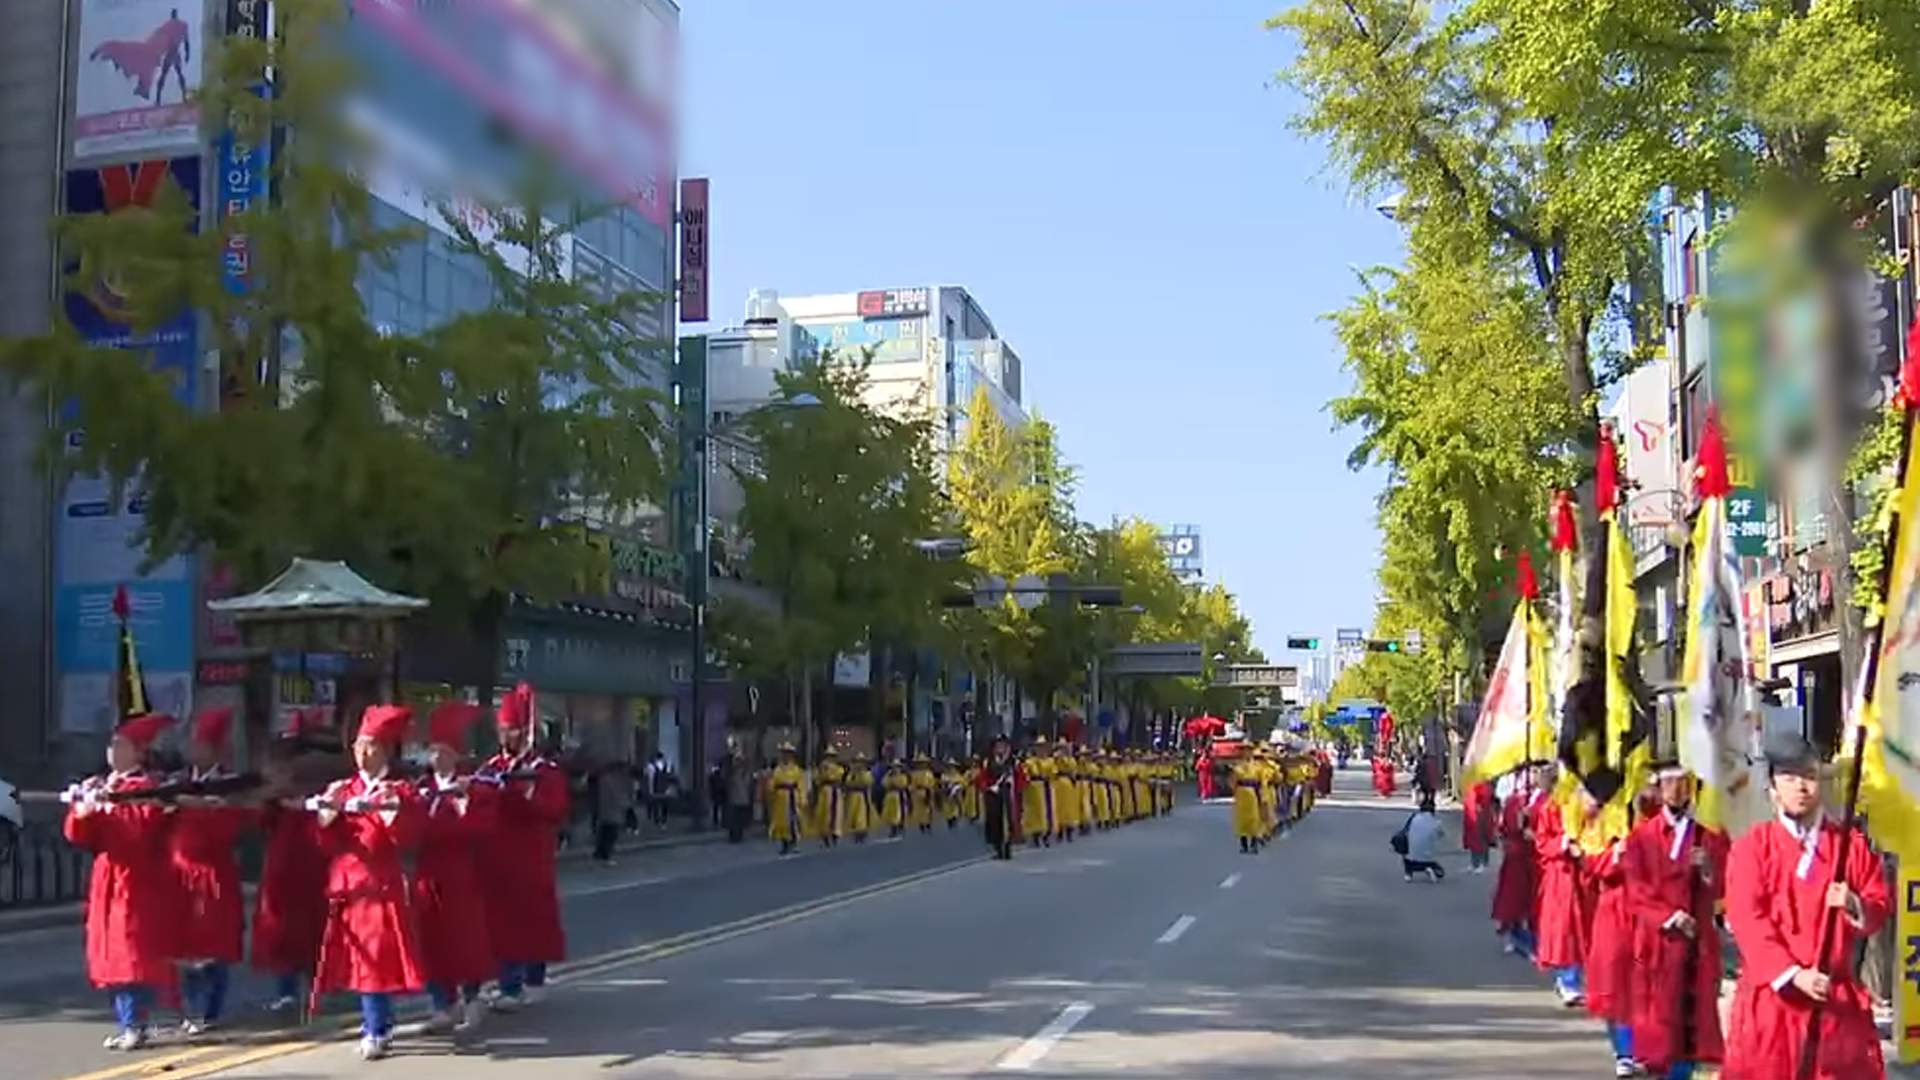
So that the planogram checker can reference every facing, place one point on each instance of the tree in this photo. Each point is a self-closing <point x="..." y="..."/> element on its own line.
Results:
<point x="1429" y="347"/>
<point x="835" y="495"/>
<point x="1408" y="102"/>
<point x="1013" y="497"/>
<point x="441" y="463"/>
<point x="1800" y="114"/>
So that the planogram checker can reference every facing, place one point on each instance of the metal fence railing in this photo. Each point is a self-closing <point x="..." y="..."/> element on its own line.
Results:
<point x="43" y="869"/>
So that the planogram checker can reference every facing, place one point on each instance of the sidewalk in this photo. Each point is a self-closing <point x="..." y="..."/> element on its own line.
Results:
<point x="41" y="917"/>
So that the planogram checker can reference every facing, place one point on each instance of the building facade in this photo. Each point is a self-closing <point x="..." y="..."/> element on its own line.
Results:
<point x="591" y="89"/>
<point x="933" y="347"/>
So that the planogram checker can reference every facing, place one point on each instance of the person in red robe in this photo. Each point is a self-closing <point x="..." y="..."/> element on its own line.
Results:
<point x="1674" y="873"/>
<point x="132" y="897"/>
<point x="522" y="888"/>
<point x="1002" y="781"/>
<point x="1323" y="777"/>
<point x="1479" y="816"/>
<point x="289" y="908"/>
<point x="369" y="825"/>
<point x="1782" y="888"/>
<point x="1383" y="775"/>
<point x="1204" y="768"/>
<point x="205" y="850"/>
<point x="456" y="953"/>
<point x="1516" y="887"/>
<point x="1610" y="974"/>
<point x="1560" y="916"/>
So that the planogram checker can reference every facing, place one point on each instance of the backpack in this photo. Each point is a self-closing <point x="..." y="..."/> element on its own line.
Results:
<point x="1398" y="842"/>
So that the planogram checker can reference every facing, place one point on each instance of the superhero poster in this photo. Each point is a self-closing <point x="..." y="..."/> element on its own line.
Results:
<point x="136" y="71"/>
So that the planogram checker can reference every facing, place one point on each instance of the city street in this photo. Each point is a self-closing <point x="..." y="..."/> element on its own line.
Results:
<point x="1157" y="951"/>
<point x="51" y="1021"/>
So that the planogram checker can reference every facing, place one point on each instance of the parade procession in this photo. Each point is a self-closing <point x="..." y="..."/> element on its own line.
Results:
<point x="1638" y="871"/>
<point x="394" y="865"/>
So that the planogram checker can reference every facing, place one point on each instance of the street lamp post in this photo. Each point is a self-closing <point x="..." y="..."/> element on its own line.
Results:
<point x="699" y="580"/>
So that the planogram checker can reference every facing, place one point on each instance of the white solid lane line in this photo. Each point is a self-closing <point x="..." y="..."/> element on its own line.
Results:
<point x="1180" y="926"/>
<point x="1034" y="1050"/>
<point x="1232" y="880"/>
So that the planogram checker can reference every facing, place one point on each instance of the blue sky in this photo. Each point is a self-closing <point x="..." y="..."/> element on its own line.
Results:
<point x="1114" y="182"/>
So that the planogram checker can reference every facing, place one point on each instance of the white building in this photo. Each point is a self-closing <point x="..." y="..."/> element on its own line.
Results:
<point x="743" y="365"/>
<point x="932" y="347"/>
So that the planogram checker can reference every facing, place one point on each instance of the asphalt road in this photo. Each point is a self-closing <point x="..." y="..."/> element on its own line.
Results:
<point x="1155" y="952"/>
<point x="52" y="1021"/>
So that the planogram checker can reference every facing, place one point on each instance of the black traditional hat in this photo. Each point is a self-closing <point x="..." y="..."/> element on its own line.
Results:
<point x="1667" y="768"/>
<point x="1790" y="752"/>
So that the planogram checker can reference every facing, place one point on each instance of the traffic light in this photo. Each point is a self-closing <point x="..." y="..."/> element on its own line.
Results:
<point x="1304" y="644"/>
<point x="1377" y="645"/>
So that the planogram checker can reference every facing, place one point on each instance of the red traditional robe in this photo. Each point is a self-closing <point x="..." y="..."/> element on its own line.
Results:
<point x="1478" y="818"/>
<point x="1609" y="966"/>
<point x="1658" y="868"/>
<point x="522" y="883"/>
<point x="205" y="853"/>
<point x="455" y="946"/>
<point x="132" y="898"/>
<point x="1204" y="770"/>
<point x="1776" y="902"/>
<point x="1559" y="913"/>
<point x="290" y="908"/>
<point x="1383" y="777"/>
<point x="1515" y="889"/>
<point x="369" y="944"/>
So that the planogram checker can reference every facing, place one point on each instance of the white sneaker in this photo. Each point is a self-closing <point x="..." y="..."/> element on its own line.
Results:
<point x="1406" y="877"/>
<point x="534" y="995"/>
<point x="1509" y="947"/>
<point x="506" y="1003"/>
<point x="192" y="1028"/>
<point x="373" y="1048"/>
<point x="129" y="1039"/>
<point x="283" y="1003"/>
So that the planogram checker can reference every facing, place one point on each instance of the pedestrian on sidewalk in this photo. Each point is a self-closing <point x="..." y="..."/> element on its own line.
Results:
<point x="612" y="800"/>
<point x="737" y="783"/>
<point x="1421" y="835"/>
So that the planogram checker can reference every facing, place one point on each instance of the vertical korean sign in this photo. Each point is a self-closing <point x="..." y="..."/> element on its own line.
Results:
<point x="693" y="250"/>
<point x="1906" y="1032"/>
<point x="244" y="157"/>
<point x="97" y="530"/>
<point x="1735" y="361"/>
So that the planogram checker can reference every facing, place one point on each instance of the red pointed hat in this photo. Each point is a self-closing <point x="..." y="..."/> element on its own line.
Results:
<point x="141" y="731"/>
<point x="516" y="709"/>
<point x="1528" y="582"/>
<point x="213" y="726"/>
<point x="447" y="725"/>
<point x="386" y="724"/>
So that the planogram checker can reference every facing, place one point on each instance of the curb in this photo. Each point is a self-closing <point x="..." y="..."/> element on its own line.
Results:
<point x="27" y="920"/>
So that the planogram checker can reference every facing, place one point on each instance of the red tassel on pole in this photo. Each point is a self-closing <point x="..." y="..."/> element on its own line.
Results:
<point x="1528" y="581"/>
<point x="1710" y="478"/>
<point x="1563" y="534"/>
<point x="1606" y="473"/>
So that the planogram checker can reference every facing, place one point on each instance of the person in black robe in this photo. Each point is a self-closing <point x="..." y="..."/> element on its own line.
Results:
<point x="1001" y="780"/>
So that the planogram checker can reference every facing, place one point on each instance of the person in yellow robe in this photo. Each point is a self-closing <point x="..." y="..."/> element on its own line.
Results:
<point x="1263" y="776"/>
<point x="1082" y="789"/>
<point x="1116" y="790"/>
<point x="1036" y="802"/>
<point x="786" y="800"/>
<point x="1143" y="796"/>
<point x="1249" y="810"/>
<point x="829" y="798"/>
<point x="1063" y="801"/>
<point x="1098" y="797"/>
<point x="953" y="792"/>
<point x="856" y="798"/>
<point x="970" y="798"/>
<point x="893" y="798"/>
<point x="923" y="785"/>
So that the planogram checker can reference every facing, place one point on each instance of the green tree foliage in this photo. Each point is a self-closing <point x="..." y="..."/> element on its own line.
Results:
<point x="1430" y="349"/>
<point x="1013" y="497"/>
<point x="459" y="463"/>
<point x="836" y="493"/>
<point x="1407" y="97"/>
